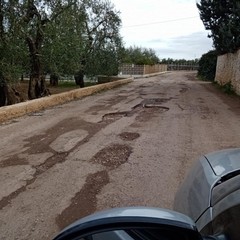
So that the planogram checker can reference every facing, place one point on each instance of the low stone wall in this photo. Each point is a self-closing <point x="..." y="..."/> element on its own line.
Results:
<point x="132" y="69"/>
<point x="228" y="70"/>
<point x="148" y="69"/>
<point x="20" y="109"/>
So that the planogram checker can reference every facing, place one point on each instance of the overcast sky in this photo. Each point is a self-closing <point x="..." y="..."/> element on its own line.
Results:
<point x="171" y="27"/>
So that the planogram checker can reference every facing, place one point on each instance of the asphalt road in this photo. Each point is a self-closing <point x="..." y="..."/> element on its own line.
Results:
<point x="129" y="146"/>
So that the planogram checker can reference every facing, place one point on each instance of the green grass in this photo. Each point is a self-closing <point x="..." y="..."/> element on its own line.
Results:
<point x="88" y="84"/>
<point x="72" y="84"/>
<point x="201" y="78"/>
<point x="226" y="88"/>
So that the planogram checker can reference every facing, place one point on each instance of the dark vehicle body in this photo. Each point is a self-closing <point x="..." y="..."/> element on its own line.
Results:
<point x="210" y="194"/>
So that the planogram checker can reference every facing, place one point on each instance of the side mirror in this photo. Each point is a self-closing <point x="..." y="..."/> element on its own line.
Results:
<point x="132" y="223"/>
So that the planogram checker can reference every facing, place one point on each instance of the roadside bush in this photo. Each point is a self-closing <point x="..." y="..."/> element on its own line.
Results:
<point x="228" y="88"/>
<point x="207" y="66"/>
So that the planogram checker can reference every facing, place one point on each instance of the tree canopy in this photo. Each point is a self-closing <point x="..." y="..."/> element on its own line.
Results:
<point x="179" y="61"/>
<point x="139" y="56"/>
<point x="222" y="18"/>
<point x="57" y="37"/>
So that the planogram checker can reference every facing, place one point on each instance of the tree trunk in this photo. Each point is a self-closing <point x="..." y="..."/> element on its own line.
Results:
<point x="37" y="86"/>
<point x="54" y="79"/>
<point x="79" y="78"/>
<point x="13" y="96"/>
<point x="3" y="90"/>
<point x="8" y="95"/>
<point x="3" y="95"/>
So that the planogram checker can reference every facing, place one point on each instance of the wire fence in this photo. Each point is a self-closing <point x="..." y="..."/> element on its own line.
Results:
<point x="182" y="67"/>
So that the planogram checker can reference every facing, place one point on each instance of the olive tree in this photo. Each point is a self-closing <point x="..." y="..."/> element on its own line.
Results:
<point x="13" y="51"/>
<point x="37" y="16"/>
<point x="64" y="42"/>
<point x="56" y="37"/>
<point x="85" y="40"/>
<point x="102" y="38"/>
<point x="139" y="55"/>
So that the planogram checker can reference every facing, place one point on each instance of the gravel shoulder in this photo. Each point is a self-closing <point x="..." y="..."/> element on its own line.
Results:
<point x="125" y="147"/>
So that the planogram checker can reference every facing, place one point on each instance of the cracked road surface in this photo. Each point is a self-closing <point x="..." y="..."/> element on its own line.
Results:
<point x="128" y="146"/>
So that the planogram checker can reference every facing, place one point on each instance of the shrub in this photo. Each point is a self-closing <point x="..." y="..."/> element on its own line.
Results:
<point x="228" y="88"/>
<point x="207" y="66"/>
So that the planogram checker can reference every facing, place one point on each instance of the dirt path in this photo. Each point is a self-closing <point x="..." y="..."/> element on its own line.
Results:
<point x="125" y="147"/>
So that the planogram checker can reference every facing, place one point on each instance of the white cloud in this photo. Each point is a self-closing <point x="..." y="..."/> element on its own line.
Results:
<point x="189" y="46"/>
<point x="161" y="13"/>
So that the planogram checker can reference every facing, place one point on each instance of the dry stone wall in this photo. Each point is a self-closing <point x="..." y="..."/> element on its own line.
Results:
<point x="132" y="69"/>
<point x="228" y="70"/>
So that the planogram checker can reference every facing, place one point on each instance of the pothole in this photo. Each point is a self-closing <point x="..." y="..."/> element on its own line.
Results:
<point x="156" y="101"/>
<point x="129" y="136"/>
<point x="183" y="90"/>
<point x="153" y="103"/>
<point x="138" y="106"/>
<point x="163" y="109"/>
<point x="114" y="116"/>
<point x="113" y="156"/>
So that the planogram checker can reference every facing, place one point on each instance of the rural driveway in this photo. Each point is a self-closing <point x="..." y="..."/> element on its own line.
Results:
<point x="128" y="146"/>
